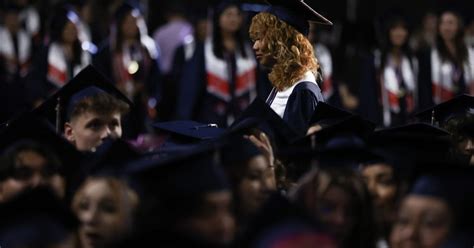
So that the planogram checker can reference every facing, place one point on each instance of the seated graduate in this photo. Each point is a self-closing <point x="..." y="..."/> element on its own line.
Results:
<point x="456" y="117"/>
<point x="436" y="211"/>
<point x="105" y="201"/>
<point x="251" y="176"/>
<point x="187" y="201"/>
<point x="280" y="43"/>
<point x="33" y="155"/>
<point x="90" y="110"/>
<point x="37" y="218"/>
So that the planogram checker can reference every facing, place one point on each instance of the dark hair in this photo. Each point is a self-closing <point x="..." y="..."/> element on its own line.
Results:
<point x="122" y="12"/>
<point x="387" y="47"/>
<point x="461" y="48"/>
<point x="9" y="156"/>
<point x="239" y="36"/>
<point x="102" y="103"/>
<point x="57" y="24"/>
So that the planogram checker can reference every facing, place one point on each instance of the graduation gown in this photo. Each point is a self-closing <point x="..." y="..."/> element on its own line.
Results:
<point x="297" y="103"/>
<point x="213" y="90"/>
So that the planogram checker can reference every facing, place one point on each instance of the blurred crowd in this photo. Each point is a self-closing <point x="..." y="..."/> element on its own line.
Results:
<point x="181" y="150"/>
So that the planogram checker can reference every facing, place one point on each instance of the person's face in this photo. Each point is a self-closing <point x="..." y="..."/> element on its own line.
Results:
<point x="214" y="221"/>
<point x="230" y="20"/>
<point x="259" y="45"/>
<point x="334" y="211"/>
<point x="130" y="27"/>
<point x="422" y="222"/>
<point x="398" y="35"/>
<point x="69" y="33"/>
<point x="257" y="182"/>
<point x="30" y="171"/>
<point x="89" y="130"/>
<point x="448" y="26"/>
<point x="466" y="147"/>
<point x="102" y="213"/>
<point x="429" y="23"/>
<point x="380" y="182"/>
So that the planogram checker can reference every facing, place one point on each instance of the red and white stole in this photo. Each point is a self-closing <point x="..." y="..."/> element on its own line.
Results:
<point x="325" y="61"/>
<point x="57" y="65"/>
<point x="443" y="73"/>
<point x="7" y="51"/>
<point x="218" y="74"/>
<point x="391" y="90"/>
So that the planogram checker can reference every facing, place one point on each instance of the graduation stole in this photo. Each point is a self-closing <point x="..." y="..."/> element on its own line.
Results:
<point x="392" y="90"/>
<point x="57" y="65"/>
<point x="444" y="77"/>
<point x="219" y="76"/>
<point x="7" y="51"/>
<point x="125" y="64"/>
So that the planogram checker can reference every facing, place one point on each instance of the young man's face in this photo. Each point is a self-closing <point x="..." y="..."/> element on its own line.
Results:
<point x="89" y="130"/>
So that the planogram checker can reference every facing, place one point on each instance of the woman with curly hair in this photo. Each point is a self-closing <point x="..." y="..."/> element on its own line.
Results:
<point x="280" y="41"/>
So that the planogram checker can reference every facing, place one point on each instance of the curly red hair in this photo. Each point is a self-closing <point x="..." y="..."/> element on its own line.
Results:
<point x="291" y="50"/>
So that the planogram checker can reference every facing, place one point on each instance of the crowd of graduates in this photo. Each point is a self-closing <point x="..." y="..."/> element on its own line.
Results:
<point x="127" y="139"/>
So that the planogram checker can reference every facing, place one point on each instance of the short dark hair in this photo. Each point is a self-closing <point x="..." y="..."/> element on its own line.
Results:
<point x="102" y="103"/>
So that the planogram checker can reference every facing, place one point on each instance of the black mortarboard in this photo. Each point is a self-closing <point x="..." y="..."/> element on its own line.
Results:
<point x="239" y="151"/>
<point x="36" y="218"/>
<point x="194" y="172"/>
<point x="269" y="122"/>
<point x="352" y="125"/>
<point x="187" y="132"/>
<point x="87" y="83"/>
<point x="297" y="13"/>
<point x="459" y="106"/>
<point x="30" y="127"/>
<point x="326" y="114"/>
<point x="406" y="146"/>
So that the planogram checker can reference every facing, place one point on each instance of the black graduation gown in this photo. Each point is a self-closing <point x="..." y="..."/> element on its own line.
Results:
<point x="300" y="106"/>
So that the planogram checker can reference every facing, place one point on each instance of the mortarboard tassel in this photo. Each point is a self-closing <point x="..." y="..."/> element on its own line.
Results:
<point x="58" y="115"/>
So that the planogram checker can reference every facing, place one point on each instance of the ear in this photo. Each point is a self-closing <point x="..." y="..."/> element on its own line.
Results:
<point x="69" y="132"/>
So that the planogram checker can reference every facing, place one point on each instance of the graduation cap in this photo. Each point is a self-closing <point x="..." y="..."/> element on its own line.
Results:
<point x="296" y="13"/>
<point x="326" y="114"/>
<point x="187" y="132"/>
<point x="459" y="106"/>
<point x="238" y="152"/>
<point x="451" y="183"/>
<point x="87" y="83"/>
<point x="36" y="218"/>
<point x="259" y="114"/>
<point x="31" y="127"/>
<point x="410" y="145"/>
<point x="193" y="172"/>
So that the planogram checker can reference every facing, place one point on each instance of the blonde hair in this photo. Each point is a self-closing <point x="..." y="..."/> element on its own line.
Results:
<point x="123" y="194"/>
<point x="291" y="50"/>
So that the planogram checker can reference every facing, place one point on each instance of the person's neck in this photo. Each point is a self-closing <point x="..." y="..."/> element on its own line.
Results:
<point x="129" y="42"/>
<point x="451" y="47"/>
<point x="68" y="50"/>
<point x="396" y="55"/>
<point x="229" y="42"/>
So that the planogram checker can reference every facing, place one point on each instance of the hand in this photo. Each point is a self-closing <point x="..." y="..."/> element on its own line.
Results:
<point x="264" y="145"/>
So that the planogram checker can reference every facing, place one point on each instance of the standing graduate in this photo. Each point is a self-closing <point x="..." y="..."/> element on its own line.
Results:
<point x="280" y="43"/>
<point x="389" y="84"/>
<point x="219" y="82"/>
<point x="60" y="60"/>
<point x="129" y="58"/>
<point x="448" y="69"/>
